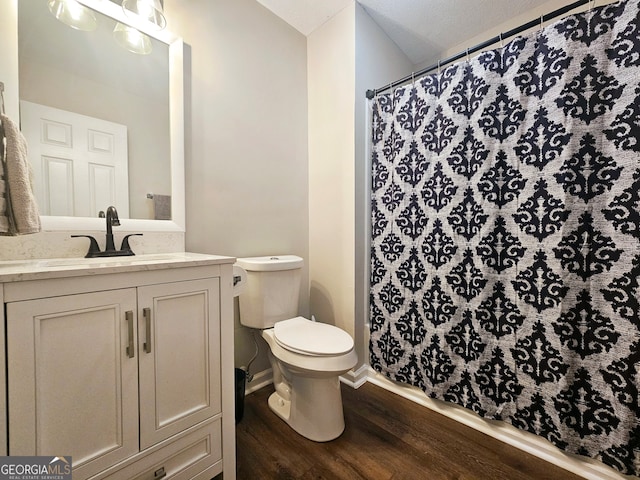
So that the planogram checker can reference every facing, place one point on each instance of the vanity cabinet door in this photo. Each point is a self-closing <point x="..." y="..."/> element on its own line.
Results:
<point x="179" y="364"/>
<point x="73" y="378"/>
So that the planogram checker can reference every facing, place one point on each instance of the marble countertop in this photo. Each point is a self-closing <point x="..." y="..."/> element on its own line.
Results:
<point x="40" y="269"/>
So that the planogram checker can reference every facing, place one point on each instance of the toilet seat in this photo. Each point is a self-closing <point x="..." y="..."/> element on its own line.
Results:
<point x="303" y="336"/>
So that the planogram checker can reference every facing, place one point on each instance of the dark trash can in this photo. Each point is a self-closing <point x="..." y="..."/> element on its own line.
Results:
<point x="241" y="380"/>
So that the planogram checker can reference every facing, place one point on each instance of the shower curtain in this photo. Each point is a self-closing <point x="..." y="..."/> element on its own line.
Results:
<point x="505" y="254"/>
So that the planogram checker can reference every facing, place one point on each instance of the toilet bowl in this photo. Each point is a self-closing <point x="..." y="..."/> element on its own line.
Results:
<point x="307" y="386"/>
<point x="307" y="357"/>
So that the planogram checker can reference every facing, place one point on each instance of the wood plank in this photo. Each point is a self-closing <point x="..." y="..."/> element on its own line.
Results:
<point x="387" y="437"/>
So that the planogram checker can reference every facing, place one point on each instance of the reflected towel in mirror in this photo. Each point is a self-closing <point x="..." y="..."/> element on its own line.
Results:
<point x="162" y="207"/>
<point x="19" y="214"/>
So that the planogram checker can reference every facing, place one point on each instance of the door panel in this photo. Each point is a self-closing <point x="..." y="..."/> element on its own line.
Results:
<point x="57" y="185"/>
<point x="94" y="153"/>
<point x="179" y="372"/>
<point x="72" y="384"/>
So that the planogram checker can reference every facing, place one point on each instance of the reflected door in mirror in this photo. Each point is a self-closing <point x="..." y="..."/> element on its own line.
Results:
<point x="75" y="158"/>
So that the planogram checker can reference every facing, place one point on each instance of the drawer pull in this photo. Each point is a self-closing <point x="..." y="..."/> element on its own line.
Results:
<point x="131" y="352"/>
<point x="146" y="313"/>
<point x="160" y="473"/>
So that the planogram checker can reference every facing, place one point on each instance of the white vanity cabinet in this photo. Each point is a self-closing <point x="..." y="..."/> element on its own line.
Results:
<point x="122" y="366"/>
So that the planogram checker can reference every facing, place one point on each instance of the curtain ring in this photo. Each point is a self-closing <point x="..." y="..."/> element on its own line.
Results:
<point x="438" y="67"/>
<point x="468" y="58"/>
<point x="501" y="41"/>
<point x="541" y="22"/>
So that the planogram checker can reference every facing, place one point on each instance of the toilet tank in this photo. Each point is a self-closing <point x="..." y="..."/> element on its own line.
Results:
<point x="272" y="289"/>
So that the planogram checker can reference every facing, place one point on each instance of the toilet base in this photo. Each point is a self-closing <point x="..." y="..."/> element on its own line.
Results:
<point x="314" y="409"/>
<point x="280" y="406"/>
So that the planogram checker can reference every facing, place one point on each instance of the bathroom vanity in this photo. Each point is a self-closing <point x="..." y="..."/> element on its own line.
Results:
<point x="124" y="363"/>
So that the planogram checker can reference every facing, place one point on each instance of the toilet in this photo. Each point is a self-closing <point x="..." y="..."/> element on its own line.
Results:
<point x="307" y="357"/>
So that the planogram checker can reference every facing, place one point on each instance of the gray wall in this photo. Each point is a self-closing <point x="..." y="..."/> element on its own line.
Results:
<point x="246" y="136"/>
<point x="248" y="166"/>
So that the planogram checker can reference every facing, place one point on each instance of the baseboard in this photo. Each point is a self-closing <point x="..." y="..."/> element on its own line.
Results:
<point x="259" y="380"/>
<point x="355" y="379"/>
<point x="533" y="444"/>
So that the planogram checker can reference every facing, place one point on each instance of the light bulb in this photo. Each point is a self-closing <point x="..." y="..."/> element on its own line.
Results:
<point x="132" y="39"/>
<point x="74" y="14"/>
<point x="145" y="10"/>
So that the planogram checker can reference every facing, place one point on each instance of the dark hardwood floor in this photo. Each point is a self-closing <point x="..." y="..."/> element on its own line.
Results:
<point x="386" y="437"/>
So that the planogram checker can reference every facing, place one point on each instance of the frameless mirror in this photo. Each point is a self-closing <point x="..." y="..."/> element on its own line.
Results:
<point x="103" y="124"/>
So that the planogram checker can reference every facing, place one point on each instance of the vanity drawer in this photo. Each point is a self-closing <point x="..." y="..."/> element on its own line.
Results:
<point x="197" y="455"/>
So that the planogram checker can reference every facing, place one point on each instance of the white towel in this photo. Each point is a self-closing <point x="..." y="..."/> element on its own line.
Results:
<point x="20" y="209"/>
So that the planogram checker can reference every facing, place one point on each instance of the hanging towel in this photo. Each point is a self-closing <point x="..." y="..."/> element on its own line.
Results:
<point x="162" y="207"/>
<point x="20" y="210"/>
<point x="4" y="221"/>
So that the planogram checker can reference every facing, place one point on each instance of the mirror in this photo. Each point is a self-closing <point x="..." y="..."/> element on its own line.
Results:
<point x="87" y="75"/>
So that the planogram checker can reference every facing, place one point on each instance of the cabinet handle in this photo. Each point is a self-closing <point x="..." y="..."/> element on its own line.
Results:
<point x="146" y="313"/>
<point x="131" y="352"/>
<point x="160" y="473"/>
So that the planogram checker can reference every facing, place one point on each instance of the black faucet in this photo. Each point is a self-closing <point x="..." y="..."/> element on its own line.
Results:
<point x="110" y="248"/>
<point x="112" y="221"/>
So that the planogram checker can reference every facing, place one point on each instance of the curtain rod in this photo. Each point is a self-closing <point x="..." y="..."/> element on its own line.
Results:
<point x="481" y="46"/>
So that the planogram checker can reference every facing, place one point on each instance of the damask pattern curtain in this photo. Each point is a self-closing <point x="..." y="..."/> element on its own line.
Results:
<point x="506" y="234"/>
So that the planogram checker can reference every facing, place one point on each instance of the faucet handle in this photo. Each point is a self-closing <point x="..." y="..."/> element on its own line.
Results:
<point x="125" y="242"/>
<point x="94" y="249"/>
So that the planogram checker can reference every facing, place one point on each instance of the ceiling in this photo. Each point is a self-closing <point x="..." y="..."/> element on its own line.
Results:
<point x="422" y="29"/>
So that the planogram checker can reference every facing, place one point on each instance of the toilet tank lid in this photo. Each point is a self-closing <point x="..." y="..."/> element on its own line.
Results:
<point x="270" y="263"/>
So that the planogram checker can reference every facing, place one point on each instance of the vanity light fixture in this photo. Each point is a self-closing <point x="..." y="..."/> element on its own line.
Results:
<point x="73" y="14"/>
<point x="131" y="39"/>
<point x="146" y="10"/>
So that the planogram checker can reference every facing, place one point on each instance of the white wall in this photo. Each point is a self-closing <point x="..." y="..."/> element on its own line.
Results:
<point x="9" y="63"/>
<point x="331" y="73"/>
<point x="346" y="56"/>
<point x="246" y="136"/>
